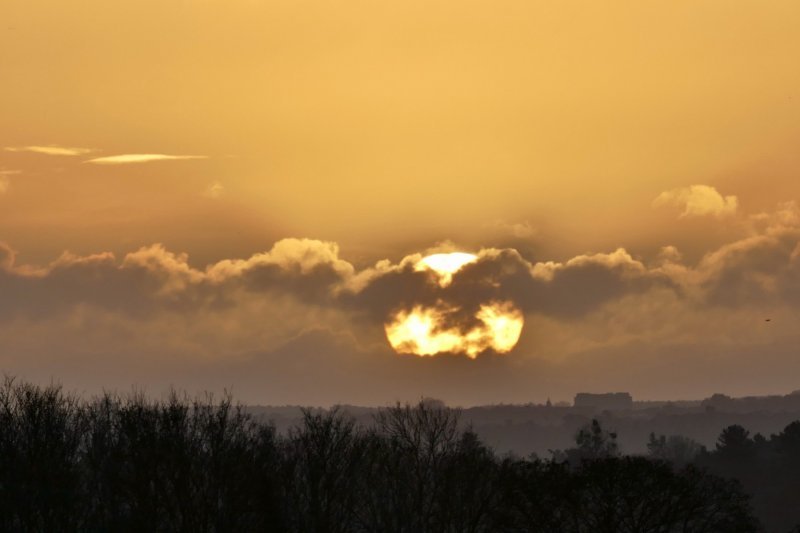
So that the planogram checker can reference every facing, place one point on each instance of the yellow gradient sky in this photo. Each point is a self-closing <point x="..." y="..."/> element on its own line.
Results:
<point x="220" y="127"/>
<point x="378" y="123"/>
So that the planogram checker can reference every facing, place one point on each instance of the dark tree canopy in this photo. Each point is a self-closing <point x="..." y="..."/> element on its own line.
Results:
<point x="180" y="464"/>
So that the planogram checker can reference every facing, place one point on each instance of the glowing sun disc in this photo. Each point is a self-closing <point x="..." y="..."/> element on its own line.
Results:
<point x="420" y="331"/>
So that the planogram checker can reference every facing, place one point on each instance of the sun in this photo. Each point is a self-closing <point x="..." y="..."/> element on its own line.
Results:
<point x="445" y="265"/>
<point x="422" y="331"/>
<point x="425" y="330"/>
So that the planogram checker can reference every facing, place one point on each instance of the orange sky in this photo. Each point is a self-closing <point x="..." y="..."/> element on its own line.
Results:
<point x="389" y="127"/>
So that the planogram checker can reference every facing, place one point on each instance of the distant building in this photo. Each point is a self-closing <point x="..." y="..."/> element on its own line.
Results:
<point x="608" y="401"/>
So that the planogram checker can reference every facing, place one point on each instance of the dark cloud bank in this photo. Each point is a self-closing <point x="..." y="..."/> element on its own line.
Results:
<point x="301" y="324"/>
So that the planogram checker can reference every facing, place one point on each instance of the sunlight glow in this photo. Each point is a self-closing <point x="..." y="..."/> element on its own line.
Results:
<point x="446" y="264"/>
<point x="422" y="332"/>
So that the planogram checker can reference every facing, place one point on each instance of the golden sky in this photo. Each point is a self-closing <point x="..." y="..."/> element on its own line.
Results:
<point x="561" y="130"/>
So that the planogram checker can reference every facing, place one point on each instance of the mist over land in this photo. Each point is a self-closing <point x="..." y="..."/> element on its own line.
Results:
<point x="526" y="429"/>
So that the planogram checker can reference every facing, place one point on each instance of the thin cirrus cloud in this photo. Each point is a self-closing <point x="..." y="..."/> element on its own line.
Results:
<point x="51" y="150"/>
<point x="128" y="159"/>
<point x="698" y="200"/>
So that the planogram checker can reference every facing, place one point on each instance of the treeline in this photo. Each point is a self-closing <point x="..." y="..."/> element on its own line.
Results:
<point x="768" y="469"/>
<point x="133" y="464"/>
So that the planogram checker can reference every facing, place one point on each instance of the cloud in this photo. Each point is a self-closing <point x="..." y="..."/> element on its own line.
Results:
<point x="51" y="150"/>
<point x="312" y="272"/>
<point x="214" y="190"/>
<point x="567" y="289"/>
<point x="762" y="267"/>
<point x="153" y="278"/>
<point x="311" y="277"/>
<point x="300" y="314"/>
<point x="126" y="159"/>
<point x="307" y="269"/>
<point x="698" y="200"/>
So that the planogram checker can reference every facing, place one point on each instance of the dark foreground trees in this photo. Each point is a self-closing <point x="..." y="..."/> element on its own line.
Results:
<point x="768" y="468"/>
<point x="41" y="450"/>
<point x="627" y="494"/>
<point x="131" y="464"/>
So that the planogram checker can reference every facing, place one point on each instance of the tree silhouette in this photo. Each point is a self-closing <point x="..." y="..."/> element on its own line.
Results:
<point x="323" y="460"/>
<point x="40" y="458"/>
<point x="413" y="447"/>
<point x="735" y="442"/>
<point x="592" y="442"/>
<point x="179" y="464"/>
<point x="675" y="449"/>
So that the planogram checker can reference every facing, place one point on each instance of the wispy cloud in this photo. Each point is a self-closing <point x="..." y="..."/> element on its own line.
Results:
<point x="51" y="150"/>
<point x="4" y="184"/>
<point x="126" y="159"/>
